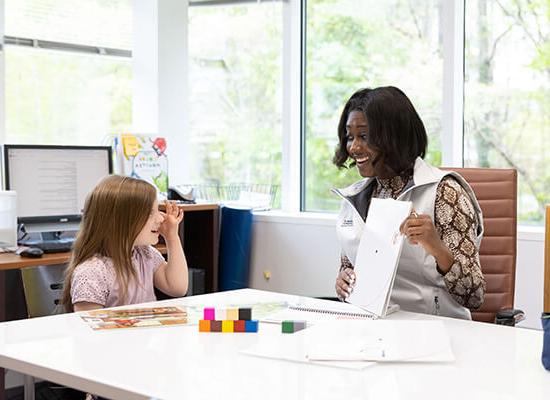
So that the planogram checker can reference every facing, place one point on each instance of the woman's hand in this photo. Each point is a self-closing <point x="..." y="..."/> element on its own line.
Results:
<point x="420" y="229"/>
<point x="172" y="218"/>
<point x="345" y="282"/>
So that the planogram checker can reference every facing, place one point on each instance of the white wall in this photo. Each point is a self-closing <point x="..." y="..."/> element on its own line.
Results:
<point x="301" y="254"/>
<point x="530" y="277"/>
<point x="159" y="57"/>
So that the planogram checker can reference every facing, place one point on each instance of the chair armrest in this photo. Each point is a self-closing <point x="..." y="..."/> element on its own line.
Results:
<point x="509" y="317"/>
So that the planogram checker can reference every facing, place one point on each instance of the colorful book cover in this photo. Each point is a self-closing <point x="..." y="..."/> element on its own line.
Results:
<point x="144" y="157"/>
<point x="105" y="319"/>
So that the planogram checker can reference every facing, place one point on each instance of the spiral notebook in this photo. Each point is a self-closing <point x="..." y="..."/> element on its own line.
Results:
<point x="318" y="310"/>
<point x="347" y="313"/>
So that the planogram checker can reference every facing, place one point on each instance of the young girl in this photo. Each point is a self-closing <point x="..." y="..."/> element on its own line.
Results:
<point x="113" y="261"/>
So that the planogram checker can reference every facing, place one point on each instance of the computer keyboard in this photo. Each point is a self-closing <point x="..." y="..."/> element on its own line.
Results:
<point x="51" y="246"/>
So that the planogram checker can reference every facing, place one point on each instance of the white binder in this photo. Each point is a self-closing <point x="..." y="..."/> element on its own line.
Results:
<point x="378" y="255"/>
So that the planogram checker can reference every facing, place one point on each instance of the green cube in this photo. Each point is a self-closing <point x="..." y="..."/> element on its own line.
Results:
<point x="288" y="327"/>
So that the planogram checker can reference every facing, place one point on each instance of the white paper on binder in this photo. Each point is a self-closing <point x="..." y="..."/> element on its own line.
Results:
<point x="378" y="254"/>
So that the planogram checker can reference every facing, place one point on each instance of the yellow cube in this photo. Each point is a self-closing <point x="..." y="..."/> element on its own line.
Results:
<point x="232" y="314"/>
<point x="228" y="326"/>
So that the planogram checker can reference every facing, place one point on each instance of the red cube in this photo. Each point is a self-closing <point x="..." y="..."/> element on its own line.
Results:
<point x="239" y="326"/>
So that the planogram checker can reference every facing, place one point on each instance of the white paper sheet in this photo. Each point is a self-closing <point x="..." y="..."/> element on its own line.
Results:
<point x="378" y="254"/>
<point x="293" y="348"/>
<point x="358" y="344"/>
<point x="379" y="340"/>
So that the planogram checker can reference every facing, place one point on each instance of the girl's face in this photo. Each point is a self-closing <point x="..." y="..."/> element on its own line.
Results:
<point x="357" y="143"/>
<point x="149" y="234"/>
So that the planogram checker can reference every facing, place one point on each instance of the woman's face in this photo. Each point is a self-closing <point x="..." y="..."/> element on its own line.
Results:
<point x="357" y="147"/>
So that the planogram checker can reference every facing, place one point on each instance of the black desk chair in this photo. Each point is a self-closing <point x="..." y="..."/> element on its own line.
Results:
<point x="43" y="287"/>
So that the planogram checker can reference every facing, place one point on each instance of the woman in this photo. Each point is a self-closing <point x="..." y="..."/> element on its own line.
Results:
<point x="439" y="271"/>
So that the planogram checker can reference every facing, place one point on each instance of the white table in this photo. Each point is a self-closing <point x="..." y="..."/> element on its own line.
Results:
<point x="492" y="362"/>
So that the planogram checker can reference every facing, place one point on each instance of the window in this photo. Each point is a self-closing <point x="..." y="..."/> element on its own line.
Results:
<point x="103" y="23"/>
<point x="507" y="95"/>
<point x="67" y="97"/>
<point x="353" y="44"/>
<point x="235" y="73"/>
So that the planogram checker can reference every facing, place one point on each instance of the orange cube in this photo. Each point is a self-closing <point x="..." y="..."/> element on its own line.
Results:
<point x="204" y="325"/>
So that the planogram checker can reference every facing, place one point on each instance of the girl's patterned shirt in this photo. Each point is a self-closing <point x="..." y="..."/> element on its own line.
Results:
<point x="94" y="280"/>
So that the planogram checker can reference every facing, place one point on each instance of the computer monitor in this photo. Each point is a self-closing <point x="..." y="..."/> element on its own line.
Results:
<point x="52" y="182"/>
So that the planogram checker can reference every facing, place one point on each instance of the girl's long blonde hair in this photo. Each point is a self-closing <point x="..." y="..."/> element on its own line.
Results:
<point x="113" y="216"/>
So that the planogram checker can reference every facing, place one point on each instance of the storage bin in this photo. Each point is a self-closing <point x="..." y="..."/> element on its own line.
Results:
<point x="235" y="241"/>
<point x="546" y="340"/>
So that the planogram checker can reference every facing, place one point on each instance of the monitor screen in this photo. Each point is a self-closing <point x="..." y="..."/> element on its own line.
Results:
<point x="52" y="181"/>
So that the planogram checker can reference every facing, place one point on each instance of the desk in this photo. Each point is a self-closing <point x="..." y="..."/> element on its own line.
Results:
<point x="492" y="362"/>
<point x="199" y="233"/>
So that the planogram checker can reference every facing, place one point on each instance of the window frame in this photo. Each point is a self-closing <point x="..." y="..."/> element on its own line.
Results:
<point x="293" y="108"/>
<point x="452" y="24"/>
<point x="47" y="45"/>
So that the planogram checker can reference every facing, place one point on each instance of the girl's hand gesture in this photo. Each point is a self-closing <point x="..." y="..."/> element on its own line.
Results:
<point x="172" y="218"/>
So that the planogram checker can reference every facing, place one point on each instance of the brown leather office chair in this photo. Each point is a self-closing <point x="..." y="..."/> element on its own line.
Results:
<point x="496" y="191"/>
<point x="547" y="261"/>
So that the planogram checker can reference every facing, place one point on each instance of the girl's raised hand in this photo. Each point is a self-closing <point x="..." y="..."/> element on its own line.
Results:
<point x="173" y="215"/>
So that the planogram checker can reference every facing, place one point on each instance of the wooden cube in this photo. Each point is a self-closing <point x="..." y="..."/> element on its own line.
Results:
<point x="232" y="314"/>
<point x="215" y="326"/>
<point x="293" y="326"/>
<point x="251" y="326"/>
<point x="245" y="313"/>
<point x="287" y="327"/>
<point x="209" y="313"/>
<point x="204" y="325"/>
<point x="299" y="325"/>
<point x="239" y="326"/>
<point x="227" y="326"/>
<point x="221" y="314"/>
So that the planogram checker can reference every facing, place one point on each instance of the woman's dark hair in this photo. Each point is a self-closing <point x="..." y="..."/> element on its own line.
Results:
<point x="394" y="128"/>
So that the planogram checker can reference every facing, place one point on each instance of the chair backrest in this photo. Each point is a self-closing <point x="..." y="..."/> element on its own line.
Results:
<point x="496" y="191"/>
<point x="547" y="261"/>
<point x="43" y="286"/>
